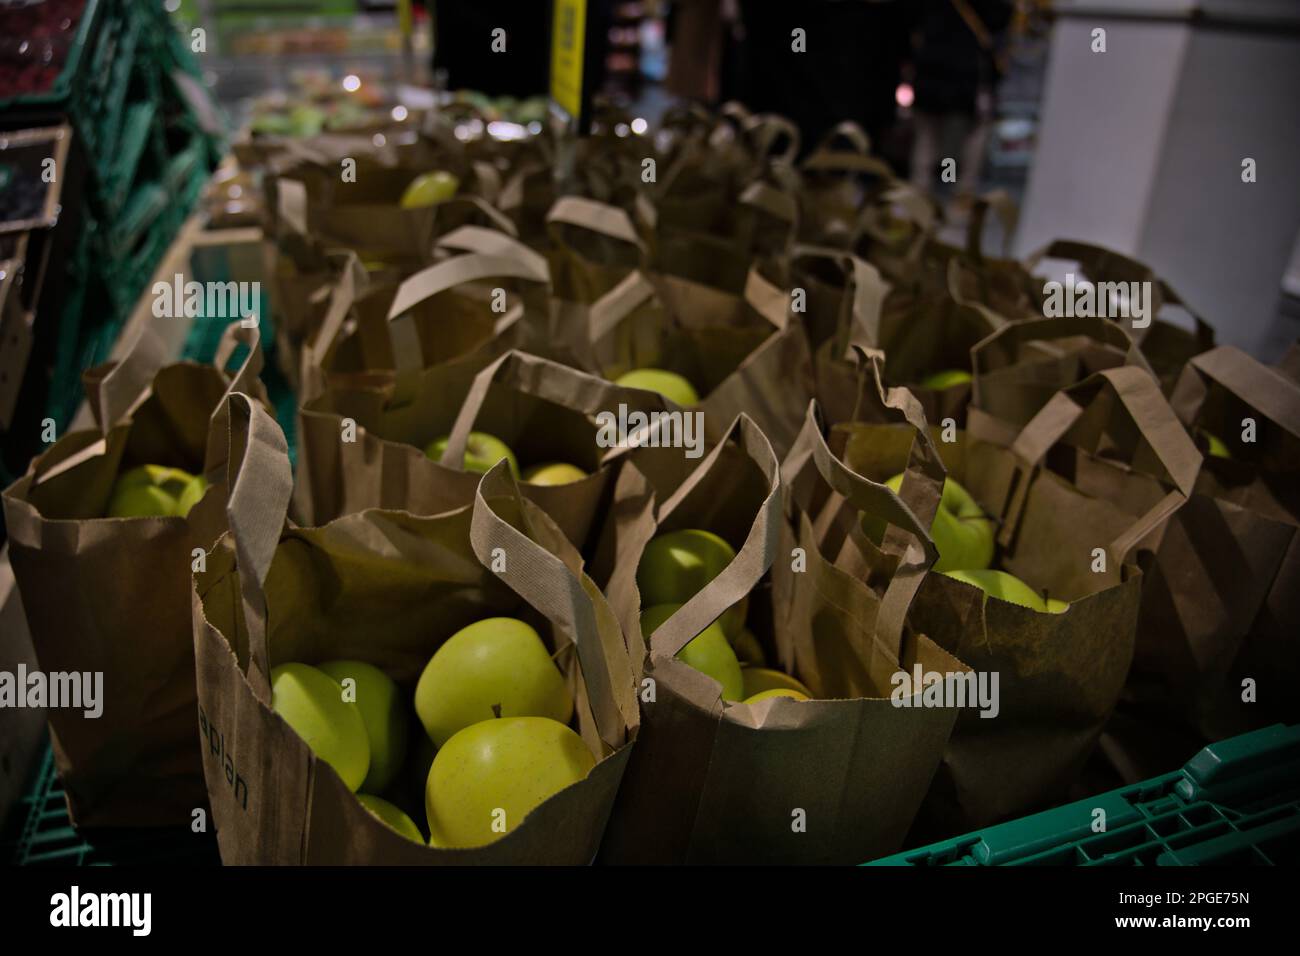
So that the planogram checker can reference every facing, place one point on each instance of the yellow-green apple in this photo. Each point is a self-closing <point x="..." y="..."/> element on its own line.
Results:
<point x="497" y="667"/>
<point x="429" y="188"/>
<point x="482" y="451"/>
<point x="1005" y="587"/>
<point x="758" y="679"/>
<point x="553" y="473"/>
<point x="1217" y="447"/>
<point x="149" y="491"/>
<point x="194" y="490"/>
<point x="383" y="711"/>
<point x="391" y="816"/>
<point x="141" y="501"/>
<point x="777" y="692"/>
<point x="677" y="564"/>
<point x="961" y="530"/>
<point x="670" y="385"/>
<point x="492" y="774"/>
<point x="948" y="378"/>
<point x="709" y="652"/>
<point x="170" y="480"/>
<point x="311" y="702"/>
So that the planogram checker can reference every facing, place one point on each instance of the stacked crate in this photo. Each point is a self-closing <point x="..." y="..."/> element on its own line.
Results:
<point x="143" y="143"/>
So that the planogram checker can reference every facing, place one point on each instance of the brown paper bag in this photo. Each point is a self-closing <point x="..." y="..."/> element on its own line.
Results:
<point x="734" y="181"/>
<point x="106" y="596"/>
<point x="741" y="353"/>
<point x="922" y="333"/>
<point x="388" y="588"/>
<point x="837" y="182"/>
<point x="1167" y="346"/>
<point x="303" y="280"/>
<point x="1060" y="674"/>
<point x="447" y="316"/>
<point x="543" y="410"/>
<point x="311" y="196"/>
<point x="1019" y="367"/>
<point x="1227" y="569"/>
<point x="776" y="781"/>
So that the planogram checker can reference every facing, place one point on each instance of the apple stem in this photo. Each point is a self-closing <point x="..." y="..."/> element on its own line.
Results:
<point x="496" y="711"/>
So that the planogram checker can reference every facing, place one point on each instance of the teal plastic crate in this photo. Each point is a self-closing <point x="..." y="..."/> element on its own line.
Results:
<point x="43" y="835"/>
<point x="1235" y="803"/>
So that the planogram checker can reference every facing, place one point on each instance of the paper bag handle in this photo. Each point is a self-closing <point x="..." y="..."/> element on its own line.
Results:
<point x="425" y="284"/>
<point x="617" y="304"/>
<point x="999" y="348"/>
<point x="1139" y="394"/>
<point x="494" y="215"/>
<point x="598" y="217"/>
<point x="848" y="131"/>
<point x="911" y="511"/>
<point x="765" y="132"/>
<point x="856" y="160"/>
<point x="113" y="394"/>
<point x="1001" y="204"/>
<point x="351" y="281"/>
<point x="1260" y="387"/>
<point x="244" y="381"/>
<point x="260" y="483"/>
<point x="558" y="588"/>
<point x="552" y="382"/>
<point x="1101" y="265"/>
<point x="493" y="243"/>
<point x="752" y="560"/>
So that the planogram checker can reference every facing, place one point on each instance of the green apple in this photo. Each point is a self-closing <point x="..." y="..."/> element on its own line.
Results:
<point x="709" y="652"/>
<point x="1217" y="447"/>
<point x="948" y="378"/>
<point x="758" y="679"/>
<point x="141" y="501"/>
<point x="497" y="667"/>
<point x="383" y="711"/>
<point x="193" y="492"/>
<point x="391" y="816"/>
<point x="777" y="692"/>
<point x="311" y="702"/>
<point x="482" y="451"/>
<point x="1004" y="587"/>
<point x="748" y="650"/>
<point x="429" y="189"/>
<point x="670" y="385"/>
<point x="492" y="774"/>
<point x="150" y="491"/>
<point x="676" y="565"/>
<point x="553" y="473"/>
<point x="171" y="480"/>
<point x="1057" y="606"/>
<point x="961" y="530"/>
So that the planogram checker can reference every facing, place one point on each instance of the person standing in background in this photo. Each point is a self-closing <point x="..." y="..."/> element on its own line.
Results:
<point x="956" y="74"/>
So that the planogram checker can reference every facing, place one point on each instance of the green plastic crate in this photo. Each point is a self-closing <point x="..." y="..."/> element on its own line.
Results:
<point x="1236" y="803"/>
<point x="44" y="836"/>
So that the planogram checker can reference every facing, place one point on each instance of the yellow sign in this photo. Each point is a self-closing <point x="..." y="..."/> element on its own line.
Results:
<point x="568" y="32"/>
